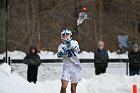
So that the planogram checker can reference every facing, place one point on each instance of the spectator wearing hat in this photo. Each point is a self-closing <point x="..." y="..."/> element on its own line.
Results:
<point x="134" y="60"/>
<point x="32" y="59"/>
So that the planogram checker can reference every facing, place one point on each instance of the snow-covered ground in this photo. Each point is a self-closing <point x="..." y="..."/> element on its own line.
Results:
<point x="52" y="71"/>
<point x="49" y="75"/>
<point x="105" y="83"/>
<point x="52" y="55"/>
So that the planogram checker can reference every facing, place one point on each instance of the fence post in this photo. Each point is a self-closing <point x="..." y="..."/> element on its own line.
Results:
<point x="9" y="60"/>
<point x="3" y="59"/>
<point x="127" y="68"/>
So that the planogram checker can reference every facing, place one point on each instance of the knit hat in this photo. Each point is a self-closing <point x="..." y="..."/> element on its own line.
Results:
<point x="135" y="46"/>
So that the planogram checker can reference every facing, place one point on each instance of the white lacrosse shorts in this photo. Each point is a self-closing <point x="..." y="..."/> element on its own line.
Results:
<point x="72" y="73"/>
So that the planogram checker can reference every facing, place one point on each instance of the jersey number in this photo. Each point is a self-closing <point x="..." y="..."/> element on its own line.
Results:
<point x="70" y="53"/>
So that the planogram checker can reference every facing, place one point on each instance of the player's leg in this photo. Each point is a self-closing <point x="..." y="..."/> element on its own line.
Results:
<point x="73" y="87"/>
<point x="63" y="86"/>
<point x="75" y="78"/>
<point x="65" y="79"/>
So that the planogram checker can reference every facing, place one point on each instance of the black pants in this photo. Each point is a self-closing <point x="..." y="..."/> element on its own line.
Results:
<point x="134" y="71"/>
<point x="100" y="71"/>
<point x="32" y="73"/>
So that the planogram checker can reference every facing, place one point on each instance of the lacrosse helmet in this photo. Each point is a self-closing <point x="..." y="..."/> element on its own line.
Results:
<point x="66" y="35"/>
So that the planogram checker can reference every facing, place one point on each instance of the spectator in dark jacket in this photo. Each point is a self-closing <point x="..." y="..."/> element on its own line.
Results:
<point x="100" y="57"/>
<point x="134" y="60"/>
<point x="32" y="60"/>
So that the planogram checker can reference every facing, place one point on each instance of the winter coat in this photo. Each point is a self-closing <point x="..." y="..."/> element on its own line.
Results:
<point x="134" y="59"/>
<point x="100" y="57"/>
<point x="32" y="59"/>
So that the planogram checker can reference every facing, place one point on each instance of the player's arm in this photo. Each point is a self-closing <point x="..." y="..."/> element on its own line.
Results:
<point x="74" y="46"/>
<point x="59" y="53"/>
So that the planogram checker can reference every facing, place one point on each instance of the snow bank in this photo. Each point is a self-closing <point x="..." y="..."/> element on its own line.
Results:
<point x="105" y="83"/>
<point x="14" y="55"/>
<point x="114" y="55"/>
<point x="13" y="83"/>
<point x="97" y="84"/>
<point x="109" y="84"/>
<point x="86" y="55"/>
<point x="47" y="55"/>
<point x="52" y="55"/>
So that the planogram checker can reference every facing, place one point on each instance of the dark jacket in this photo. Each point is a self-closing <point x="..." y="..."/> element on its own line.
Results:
<point x="32" y="59"/>
<point x="100" y="56"/>
<point x="134" y="59"/>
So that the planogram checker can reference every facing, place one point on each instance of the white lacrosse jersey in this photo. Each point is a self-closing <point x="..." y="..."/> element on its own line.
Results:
<point x="73" y="60"/>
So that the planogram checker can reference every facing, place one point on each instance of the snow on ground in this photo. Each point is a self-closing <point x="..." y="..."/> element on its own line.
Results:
<point x="14" y="55"/>
<point x="49" y="76"/>
<point x="52" y="71"/>
<point x="52" y="55"/>
<point x="13" y="83"/>
<point x="105" y="83"/>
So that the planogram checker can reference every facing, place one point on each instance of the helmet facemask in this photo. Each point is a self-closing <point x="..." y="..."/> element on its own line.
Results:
<point x="66" y="35"/>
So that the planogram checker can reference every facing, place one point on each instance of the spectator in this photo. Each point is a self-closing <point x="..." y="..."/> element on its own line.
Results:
<point x="32" y="60"/>
<point x="134" y="60"/>
<point x="123" y="44"/>
<point x="100" y="57"/>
